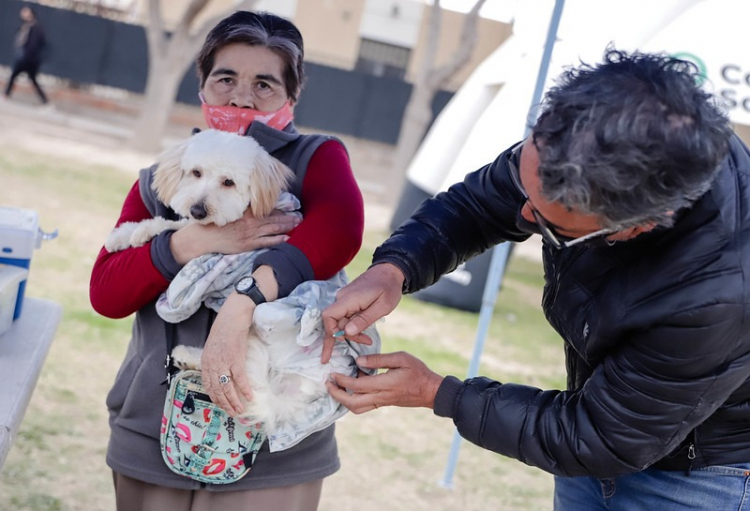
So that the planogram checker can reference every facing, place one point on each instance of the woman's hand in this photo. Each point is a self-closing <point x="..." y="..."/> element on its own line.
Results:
<point x="408" y="382"/>
<point x="243" y="235"/>
<point x="225" y="352"/>
<point x="361" y="303"/>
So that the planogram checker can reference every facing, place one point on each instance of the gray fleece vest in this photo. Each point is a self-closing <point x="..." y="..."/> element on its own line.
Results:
<point x="136" y="400"/>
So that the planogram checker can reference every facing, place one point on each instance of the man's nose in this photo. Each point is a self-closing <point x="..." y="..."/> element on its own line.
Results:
<point x="243" y="97"/>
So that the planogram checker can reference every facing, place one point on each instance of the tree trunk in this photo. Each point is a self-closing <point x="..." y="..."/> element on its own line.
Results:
<point x="169" y="59"/>
<point x="151" y="125"/>
<point x="429" y="79"/>
<point x="417" y="116"/>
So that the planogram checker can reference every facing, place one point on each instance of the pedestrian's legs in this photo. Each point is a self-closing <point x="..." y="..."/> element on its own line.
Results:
<point x="31" y="70"/>
<point x="17" y="69"/>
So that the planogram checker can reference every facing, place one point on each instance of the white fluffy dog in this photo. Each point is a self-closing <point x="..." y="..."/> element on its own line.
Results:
<point x="210" y="178"/>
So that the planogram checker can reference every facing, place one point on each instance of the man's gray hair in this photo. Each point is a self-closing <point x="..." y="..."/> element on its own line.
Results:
<point x="632" y="140"/>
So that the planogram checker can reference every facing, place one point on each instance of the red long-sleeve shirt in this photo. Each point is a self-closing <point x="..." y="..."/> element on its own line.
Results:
<point x="329" y="236"/>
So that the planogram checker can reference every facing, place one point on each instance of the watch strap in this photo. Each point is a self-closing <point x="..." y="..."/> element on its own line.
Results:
<point x="254" y="293"/>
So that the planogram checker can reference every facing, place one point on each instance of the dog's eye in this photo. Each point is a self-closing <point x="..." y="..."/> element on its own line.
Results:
<point x="228" y="183"/>
<point x="196" y="173"/>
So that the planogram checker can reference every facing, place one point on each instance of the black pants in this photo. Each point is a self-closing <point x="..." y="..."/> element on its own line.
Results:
<point x="31" y="68"/>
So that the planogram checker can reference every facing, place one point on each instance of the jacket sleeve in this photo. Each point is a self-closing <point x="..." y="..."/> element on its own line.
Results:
<point x="637" y="406"/>
<point x="455" y="225"/>
<point x="330" y="234"/>
<point x="123" y="282"/>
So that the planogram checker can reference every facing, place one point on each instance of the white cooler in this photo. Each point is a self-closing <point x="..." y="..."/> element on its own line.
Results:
<point x="11" y="278"/>
<point x="19" y="236"/>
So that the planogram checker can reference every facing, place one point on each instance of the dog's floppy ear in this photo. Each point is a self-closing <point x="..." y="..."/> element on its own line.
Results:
<point x="269" y="178"/>
<point x="169" y="172"/>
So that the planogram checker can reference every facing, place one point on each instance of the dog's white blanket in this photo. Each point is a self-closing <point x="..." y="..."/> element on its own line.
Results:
<point x="210" y="279"/>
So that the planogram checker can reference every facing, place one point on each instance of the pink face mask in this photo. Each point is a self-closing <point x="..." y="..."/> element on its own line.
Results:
<point x="236" y="120"/>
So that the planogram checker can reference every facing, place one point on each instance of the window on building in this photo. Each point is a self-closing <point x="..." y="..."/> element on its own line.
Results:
<point x="382" y="59"/>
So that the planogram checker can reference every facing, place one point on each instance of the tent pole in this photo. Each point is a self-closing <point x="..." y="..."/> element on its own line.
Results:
<point x="501" y="252"/>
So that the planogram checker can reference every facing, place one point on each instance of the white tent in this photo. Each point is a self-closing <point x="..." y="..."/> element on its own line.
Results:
<point x="490" y="111"/>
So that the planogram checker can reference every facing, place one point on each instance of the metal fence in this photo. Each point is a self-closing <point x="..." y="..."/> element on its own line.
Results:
<point x="93" y="50"/>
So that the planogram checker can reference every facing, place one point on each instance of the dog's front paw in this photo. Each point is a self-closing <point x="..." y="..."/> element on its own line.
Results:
<point x="119" y="238"/>
<point x="187" y="358"/>
<point x="142" y="234"/>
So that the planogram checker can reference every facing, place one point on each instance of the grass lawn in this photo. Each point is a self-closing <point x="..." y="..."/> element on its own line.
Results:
<point x="392" y="458"/>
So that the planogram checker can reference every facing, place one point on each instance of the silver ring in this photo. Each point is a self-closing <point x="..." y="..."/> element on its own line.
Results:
<point x="224" y="379"/>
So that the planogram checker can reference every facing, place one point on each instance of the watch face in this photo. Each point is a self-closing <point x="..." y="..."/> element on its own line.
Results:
<point x="245" y="283"/>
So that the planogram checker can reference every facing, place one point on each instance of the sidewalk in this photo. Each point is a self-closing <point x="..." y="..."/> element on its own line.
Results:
<point x="77" y="124"/>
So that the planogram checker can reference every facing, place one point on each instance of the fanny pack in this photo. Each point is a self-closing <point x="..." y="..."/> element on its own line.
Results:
<point x="198" y="439"/>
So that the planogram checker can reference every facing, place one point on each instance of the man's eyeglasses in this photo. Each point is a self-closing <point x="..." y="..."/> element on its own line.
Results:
<point x="556" y="240"/>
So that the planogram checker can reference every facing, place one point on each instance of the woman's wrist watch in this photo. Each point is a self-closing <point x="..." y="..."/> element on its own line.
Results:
<point x="248" y="287"/>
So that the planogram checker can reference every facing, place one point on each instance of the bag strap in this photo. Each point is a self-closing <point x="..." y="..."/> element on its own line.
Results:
<point x="171" y="370"/>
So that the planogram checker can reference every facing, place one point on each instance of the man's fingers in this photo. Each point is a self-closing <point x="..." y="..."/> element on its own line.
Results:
<point x="357" y="324"/>
<point x="362" y="385"/>
<point x="328" y="343"/>
<point x="337" y="393"/>
<point x="330" y="323"/>
<point x="356" y="403"/>
<point x="338" y="316"/>
<point x="383" y="360"/>
<point x="331" y="326"/>
<point x="334" y="330"/>
<point x="347" y="382"/>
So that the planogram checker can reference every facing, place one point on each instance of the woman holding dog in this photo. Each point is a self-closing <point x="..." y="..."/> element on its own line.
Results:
<point x="251" y="74"/>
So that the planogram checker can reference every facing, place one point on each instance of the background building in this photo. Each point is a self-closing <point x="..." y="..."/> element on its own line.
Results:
<point x="380" y="37"/>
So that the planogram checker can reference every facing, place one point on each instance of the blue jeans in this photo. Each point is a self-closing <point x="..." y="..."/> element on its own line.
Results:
<point x="717" y="488"/>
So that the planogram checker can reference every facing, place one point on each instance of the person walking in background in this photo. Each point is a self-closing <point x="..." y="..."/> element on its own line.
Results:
<point x="29" y="47"/>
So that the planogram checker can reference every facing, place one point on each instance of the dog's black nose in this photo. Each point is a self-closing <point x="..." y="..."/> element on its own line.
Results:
<point x="198" y="211"/>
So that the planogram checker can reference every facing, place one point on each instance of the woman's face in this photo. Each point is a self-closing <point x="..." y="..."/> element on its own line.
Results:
<point x="246" y="77"/>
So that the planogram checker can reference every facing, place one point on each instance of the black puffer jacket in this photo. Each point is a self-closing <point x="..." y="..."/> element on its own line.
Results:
<point x="656" y="329"/>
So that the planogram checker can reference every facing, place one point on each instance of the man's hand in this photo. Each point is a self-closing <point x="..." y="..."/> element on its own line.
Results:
<point x="368" y="298"/>
<point x="408" y="382"/>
